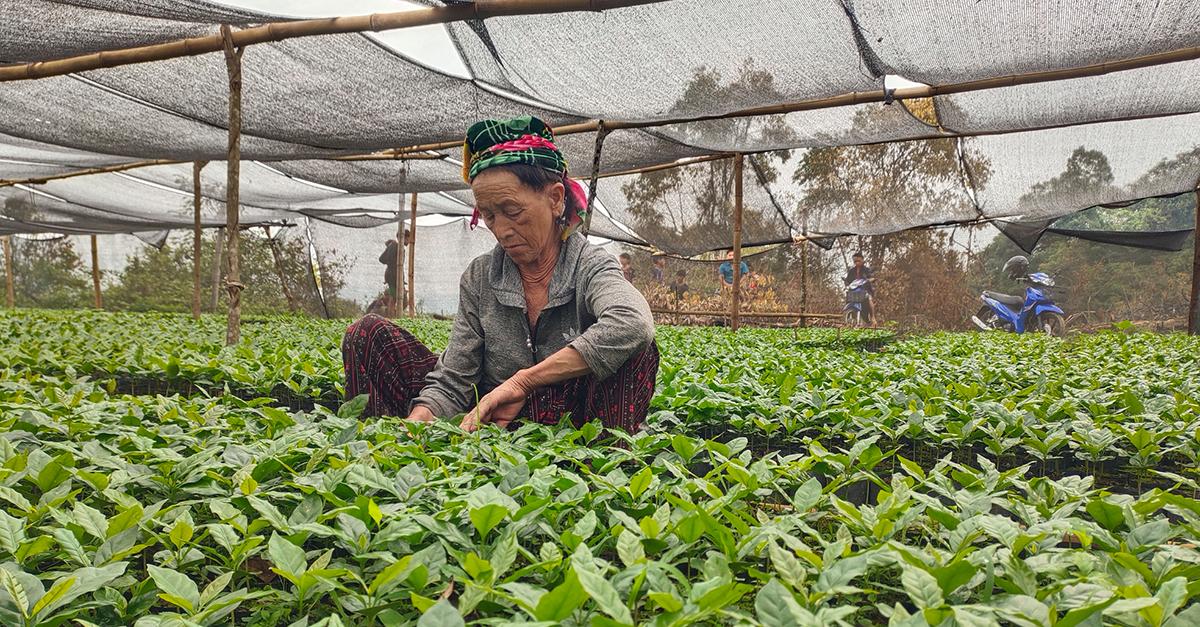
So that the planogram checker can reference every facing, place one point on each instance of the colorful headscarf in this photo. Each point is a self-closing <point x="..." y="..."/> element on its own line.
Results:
<point x="526" y="140"/>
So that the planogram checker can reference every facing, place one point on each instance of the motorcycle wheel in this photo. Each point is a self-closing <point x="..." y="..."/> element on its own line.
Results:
<point x="987" y="316"/>
<point x="852" y="318"/>
<point x="1052" y="324"/>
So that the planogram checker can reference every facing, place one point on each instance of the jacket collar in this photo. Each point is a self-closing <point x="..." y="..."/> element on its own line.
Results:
<point x="505" y="279"/>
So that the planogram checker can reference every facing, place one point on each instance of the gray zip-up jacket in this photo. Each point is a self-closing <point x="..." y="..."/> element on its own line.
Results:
<point x="591" y="308"/>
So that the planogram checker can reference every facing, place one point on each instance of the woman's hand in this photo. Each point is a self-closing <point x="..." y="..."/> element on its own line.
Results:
<point x="421" y="413"/>
<point x="500" y="405"/>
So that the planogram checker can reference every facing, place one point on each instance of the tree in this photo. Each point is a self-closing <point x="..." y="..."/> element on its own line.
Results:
<point x="161" y="279"/>
<point x="891" y="187"/>
<point x="47" y="272"/>
<point x="688" y="210"/>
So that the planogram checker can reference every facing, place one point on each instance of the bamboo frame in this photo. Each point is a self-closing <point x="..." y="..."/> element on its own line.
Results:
<point x="412" y="259"/>
<point x="196" y="238"/>
<point x="133" y="165"/>
<point x="278" y="31"/>
<point x="736" y="299"/>
<point x="233" y="163"/>
<point x="748" y="314"/>
<point x="96" y="273"/>
<point x="218" y="267"/>
<point x="400" y="298"/>
<point x="9" y="292"/>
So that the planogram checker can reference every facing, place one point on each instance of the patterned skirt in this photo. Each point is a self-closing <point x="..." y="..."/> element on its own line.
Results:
<point x="388" y="363"/>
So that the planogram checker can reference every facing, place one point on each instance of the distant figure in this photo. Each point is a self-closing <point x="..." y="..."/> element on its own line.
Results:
<point x="726" y="271"/>
<point x="658" y="273"/>
<point x="626" y="266"/>
<point x="385" y="305"/>
<point x="860" y="270"/>
<point x="679" y="286"/>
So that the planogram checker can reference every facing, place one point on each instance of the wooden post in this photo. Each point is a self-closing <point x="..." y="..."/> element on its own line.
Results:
<point x="1194" y="302"/>
<point x="804" y="283"/>
<point x="10" y="296"/>
<point x="400" y="298"/>
<point x="412" y="259"/>
<point x="278" y="259"/>
<point x="233" y="284"/>
<point x="735" y="320"/>
<point x="196" y="235"/>
<point x="96" y="274"/>
<point x="217" y="269"/>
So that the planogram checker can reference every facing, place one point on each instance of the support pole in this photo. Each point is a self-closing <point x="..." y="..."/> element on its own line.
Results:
<point x="233" y="65"/>
<point x="273" y="244"/>
<point x="217" y="269"/>
<point x="196" y="235"/>
<point x="1194" y="302"/>
<point x="9" y="293"/>
<point x="96" y="274"/>
<point x="412" y="258"/>
<point x="804" y="266"/>
<point x="735" y="319"/>
<point x="400" y="298"/>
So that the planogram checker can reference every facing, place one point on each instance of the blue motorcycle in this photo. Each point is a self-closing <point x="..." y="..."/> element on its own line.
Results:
<point x="857" y="297"/>
<point x="1036" y="312"/>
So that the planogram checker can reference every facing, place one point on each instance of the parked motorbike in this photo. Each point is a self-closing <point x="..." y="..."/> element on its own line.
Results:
<point x="857" y="299"/>
<point x="1035" y="313"/>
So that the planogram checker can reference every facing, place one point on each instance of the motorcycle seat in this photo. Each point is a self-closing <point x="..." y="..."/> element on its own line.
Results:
<point x="1012" y="302"/>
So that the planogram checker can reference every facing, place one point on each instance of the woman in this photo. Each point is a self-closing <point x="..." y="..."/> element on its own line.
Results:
<point x="546" y="323"/>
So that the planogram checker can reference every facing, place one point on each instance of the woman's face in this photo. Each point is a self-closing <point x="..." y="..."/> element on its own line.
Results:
<point x="521" y="218"/>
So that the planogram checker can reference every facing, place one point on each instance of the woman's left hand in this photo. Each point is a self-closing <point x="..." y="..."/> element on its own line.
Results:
<point x="499" y="406"/>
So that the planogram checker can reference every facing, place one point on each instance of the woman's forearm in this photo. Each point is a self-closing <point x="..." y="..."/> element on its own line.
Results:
<point x="565" y="364"/>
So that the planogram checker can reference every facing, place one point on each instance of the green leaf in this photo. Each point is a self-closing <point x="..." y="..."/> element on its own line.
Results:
<point x="176" y="588"/>
<point x="354" y="408"/>
<point x="807" y="495"/>
<point x="55" y="594"/>
<point x="667" y="601"/>
<point x="598" y="587"/>
<point x="1108" y="515"/>
<point x="286" y="556"/>
<point x="486" y="517"/>
<point x="92" y="521"/>
<point x="127" y="519"/>
<point x="442" y="614"/>
<point x="269" y="512"/>
<point x="921" y="587"/>
<point x="388" y="575"/>
<point x="12" y="532"/>
<point x="640" y="481"/>
<point x="954" y="575"/>
<point x="787" y="565"/>
<point x="16" y="591"/>
<point x="775" y="606"/>
<point x="629" y="548"/>
<point x="558" y="604"/>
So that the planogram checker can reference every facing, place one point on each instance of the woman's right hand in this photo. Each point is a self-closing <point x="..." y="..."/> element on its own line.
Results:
<point x="421" y="413"/>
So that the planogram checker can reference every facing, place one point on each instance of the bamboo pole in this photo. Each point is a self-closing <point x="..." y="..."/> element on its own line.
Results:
<point x="233" y="162"/>
<point x="736" y="301"/>
<point x="1194" y="301"/>
<point x="217" y="269"/>
<point x="748" y="314"/>
<point x="197" y="253"/>
<point x="412" y="259"/>
<point x="278" y="31"/>
<point x="132" y="165"/>
<point x="10" y="296"/>
<point x="803" y="281"/>
<point x="400" y="298"/>
<point x="96" y="274"/>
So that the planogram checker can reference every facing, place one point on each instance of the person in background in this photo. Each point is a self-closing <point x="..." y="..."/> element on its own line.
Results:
<point x="546" y="323"/>
<point x="725" y="272"/>
<point x="659" y="271"/>
<point x="860" y="270"/>
<point x="626" y="266"/>
<point x="679" y="286"/>
<point x="385" y="305"/>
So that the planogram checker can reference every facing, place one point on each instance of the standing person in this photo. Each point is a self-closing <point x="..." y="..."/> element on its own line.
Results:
<point x="658" y="273"/>
<point x="626" y="266"/>
<point x="860" y="270"/>
<point x="385" y="304"/>
<point x="546" y="324"/>
<point x="725" y="272"/>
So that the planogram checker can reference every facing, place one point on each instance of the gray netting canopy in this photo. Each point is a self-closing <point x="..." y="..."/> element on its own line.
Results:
<point x="663" y="74"/>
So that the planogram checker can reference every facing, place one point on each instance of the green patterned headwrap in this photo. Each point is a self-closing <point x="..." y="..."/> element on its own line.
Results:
<point x="525" y="140"/>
